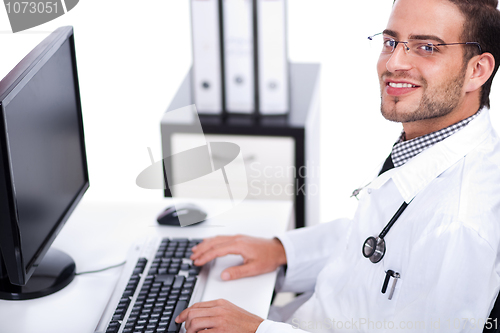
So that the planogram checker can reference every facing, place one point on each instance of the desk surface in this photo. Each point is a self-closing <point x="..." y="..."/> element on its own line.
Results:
<point x="100" y="234"/>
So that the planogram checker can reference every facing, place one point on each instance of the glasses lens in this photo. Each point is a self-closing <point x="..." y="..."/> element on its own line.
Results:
<point x="421" y="48"/>
<point x="388" y="45"/>
<point x="381" y="43"/>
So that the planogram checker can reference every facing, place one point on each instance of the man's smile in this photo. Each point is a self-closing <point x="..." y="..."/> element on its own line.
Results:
<point x="398" y="88"/>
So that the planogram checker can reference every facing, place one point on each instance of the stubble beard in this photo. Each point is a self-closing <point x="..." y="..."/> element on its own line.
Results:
<point x="434" y="103"/>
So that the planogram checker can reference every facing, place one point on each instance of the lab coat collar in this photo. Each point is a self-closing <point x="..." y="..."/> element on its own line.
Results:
<point x="417" y="173"/>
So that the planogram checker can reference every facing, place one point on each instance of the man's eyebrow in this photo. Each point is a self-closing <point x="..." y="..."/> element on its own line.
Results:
<point x="427" y="37"/>
<point x="394" y="34"/>
<point x="390" y="33"/>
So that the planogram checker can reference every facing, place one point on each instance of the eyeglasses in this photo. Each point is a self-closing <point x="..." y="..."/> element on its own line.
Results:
<point x="418" y="47"/>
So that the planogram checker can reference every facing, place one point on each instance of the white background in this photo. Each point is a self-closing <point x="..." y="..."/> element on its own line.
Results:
<point x="133" y="55"/>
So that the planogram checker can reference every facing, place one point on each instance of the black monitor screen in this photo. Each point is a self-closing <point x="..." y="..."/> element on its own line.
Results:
<point x="45" y="142"/>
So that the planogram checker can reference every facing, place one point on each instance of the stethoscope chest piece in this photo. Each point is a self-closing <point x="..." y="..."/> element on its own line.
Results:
<point x="374" y="249"/>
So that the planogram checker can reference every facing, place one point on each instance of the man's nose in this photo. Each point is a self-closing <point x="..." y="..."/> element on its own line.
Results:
<point x="400" y="59"/>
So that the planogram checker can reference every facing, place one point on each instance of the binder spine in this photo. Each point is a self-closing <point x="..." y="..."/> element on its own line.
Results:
<point x="207" y="81"/>
<point x="238" y="56"/>
<point x="272" y="57"/>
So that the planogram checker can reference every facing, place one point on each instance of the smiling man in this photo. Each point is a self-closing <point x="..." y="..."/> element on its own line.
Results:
<point x="423" y="250"/>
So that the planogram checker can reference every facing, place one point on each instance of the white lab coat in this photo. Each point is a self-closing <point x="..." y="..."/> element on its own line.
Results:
<point x="445" y="247"/>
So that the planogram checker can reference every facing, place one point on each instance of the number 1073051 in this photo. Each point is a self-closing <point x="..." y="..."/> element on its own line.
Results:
<point x="26" y="7"/>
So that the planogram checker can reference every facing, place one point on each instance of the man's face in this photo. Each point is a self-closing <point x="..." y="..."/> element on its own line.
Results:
<point x="416" y="88"/>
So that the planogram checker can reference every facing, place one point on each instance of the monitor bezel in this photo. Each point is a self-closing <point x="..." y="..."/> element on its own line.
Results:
<point x="17" y="270"/>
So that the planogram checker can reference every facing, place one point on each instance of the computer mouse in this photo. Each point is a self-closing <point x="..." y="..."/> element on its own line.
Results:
<point x="190" y="213"/>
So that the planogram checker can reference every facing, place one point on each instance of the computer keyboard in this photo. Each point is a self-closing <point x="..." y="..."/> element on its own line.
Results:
<point x="158" y="282"/>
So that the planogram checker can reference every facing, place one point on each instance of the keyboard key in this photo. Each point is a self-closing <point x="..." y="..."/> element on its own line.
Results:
<point x="173" y="270"/>
<point x="117" y="317"/>
<point x="138" y="270"/>
<point x="120" y="311"/>
<point x="112" y="329"/>
<point x="178" y="282"/>
<point x="164" y="322"/>
<point x="160" y="304"/>
<point x="166" y="318"/>
<point x="181" y="306"/>
<point x="167" y="279"/>
<point x="113" y="324"/>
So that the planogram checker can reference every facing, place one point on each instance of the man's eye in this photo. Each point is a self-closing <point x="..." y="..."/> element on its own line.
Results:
<point x="389" y="43"/>
<point x="427" y="48"/>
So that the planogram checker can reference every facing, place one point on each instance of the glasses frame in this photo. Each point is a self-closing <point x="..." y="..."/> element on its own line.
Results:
<point x="407" y="48"/>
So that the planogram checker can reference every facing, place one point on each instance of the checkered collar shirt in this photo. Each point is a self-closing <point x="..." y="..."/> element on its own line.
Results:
<point x="403" y="151"/>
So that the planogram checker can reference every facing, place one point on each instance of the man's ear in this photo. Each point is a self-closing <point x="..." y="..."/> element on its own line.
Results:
<point x="479" y="71"/>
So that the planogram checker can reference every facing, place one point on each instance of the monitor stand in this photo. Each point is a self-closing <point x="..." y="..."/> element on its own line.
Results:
<point x="55" y="272"/>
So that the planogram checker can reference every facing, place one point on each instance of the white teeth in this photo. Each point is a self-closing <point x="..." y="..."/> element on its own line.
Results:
<point x="401" y="85"/>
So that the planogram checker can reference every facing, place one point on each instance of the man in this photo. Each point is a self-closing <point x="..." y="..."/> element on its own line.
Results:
<point x="441" y="268"/>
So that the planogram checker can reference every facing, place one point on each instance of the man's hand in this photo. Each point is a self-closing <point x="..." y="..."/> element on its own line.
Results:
<point x="260" y="255"/>
<point x="218" y="316"/>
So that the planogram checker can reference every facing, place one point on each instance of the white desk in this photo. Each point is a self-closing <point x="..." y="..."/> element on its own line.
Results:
<point x="100" y="234"/>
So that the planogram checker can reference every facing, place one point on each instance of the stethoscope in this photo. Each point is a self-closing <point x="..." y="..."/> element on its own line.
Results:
<point x="374" y="247"/>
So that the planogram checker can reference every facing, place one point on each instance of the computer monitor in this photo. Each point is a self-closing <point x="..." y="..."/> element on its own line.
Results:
<point x="43" y="167"/>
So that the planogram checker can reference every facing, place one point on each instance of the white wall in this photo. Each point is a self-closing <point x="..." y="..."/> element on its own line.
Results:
<point x="132" y="56"/>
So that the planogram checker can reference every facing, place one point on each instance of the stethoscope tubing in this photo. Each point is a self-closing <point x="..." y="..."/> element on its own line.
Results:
<point x="393" y="220"/>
